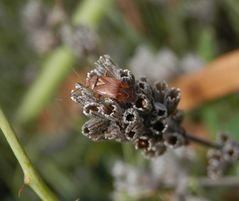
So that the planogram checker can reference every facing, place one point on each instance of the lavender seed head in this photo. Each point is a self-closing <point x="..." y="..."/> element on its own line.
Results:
<point x="219" y="161"/>
<point x="150" y="120"/>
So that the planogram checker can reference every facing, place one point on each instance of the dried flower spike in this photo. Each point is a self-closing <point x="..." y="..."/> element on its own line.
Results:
<point x="136" y="111"/>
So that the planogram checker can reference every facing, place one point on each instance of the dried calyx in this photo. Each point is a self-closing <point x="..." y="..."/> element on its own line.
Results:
<point x="146" y="115"/>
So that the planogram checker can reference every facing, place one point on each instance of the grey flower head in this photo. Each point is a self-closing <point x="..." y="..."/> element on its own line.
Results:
<point x="35" y="21"/>
<point x="220" y="160"/>
<point x="163" y="65"/>
<point x="127" y="110"/>
<point x="81" y="40"/>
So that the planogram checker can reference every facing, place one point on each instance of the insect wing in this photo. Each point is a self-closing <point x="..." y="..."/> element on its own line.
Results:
<point x="107" y="90"/>
<point x="109" y="81"/>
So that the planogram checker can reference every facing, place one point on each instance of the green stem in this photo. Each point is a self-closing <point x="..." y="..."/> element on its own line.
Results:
<point x="90" y="12"/>
<point x="55" y="69"/>
<point x="31" y="177"/>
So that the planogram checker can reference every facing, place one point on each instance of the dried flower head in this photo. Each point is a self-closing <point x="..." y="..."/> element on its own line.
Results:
<point x="129" y="110"/>
<point x="35" y="19"/>
<point x="220" y="160"/>
<point x="81" y="40"/>
<point x="165" y="64"/>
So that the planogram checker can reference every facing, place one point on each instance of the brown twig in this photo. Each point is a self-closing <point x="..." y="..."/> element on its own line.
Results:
<point x="203" y="142"/>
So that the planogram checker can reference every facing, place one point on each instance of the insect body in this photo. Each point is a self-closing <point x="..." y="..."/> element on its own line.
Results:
<point x="111" y="88"/>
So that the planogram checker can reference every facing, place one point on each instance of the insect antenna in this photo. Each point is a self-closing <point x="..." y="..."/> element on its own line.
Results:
<point x="76" y="73"/>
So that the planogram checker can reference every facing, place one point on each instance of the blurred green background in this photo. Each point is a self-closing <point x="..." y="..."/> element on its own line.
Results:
<point x="46" y="46"/>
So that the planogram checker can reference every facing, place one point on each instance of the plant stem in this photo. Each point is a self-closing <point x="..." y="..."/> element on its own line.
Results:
<point x="90" y="12"/>
<point x="203" y="142"/>
<point x="31" y="177"/>
<point x="220" y="182"/>
<point x="55" y="69"/>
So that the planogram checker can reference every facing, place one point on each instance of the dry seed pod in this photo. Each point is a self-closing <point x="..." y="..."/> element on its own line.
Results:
<point x="142" y="143"/>
<point x="90" y="74"/>
<point x="161" y="110"/>
<point x="173" y="140"/>
<point x="111" y="110"/>
<point x="105" y="66"/>
<point x="114" y="133"/>
<point x="143" y="103"/>
<point x="95" y="128"/>
<point x="133" y="124"/>
<point x="156" y="150"/>
<point x="144" y="87"/>
<point x="224" y="138"/>
<point x="158" y="126"/>
<point x="82" y="95"/>
<point x="131" y="118"/>
<point x="92" y="110"/>
<point x="215" y="168"/>
<point x="161" y="89"/>
<point x="214" y="154"/>
<point x="134" y="131"/>
<point x="172" y="99"/>
<point x="216" y="164"/>
<point x="230" y="152"/>
<point x="126" y="76"/>
<point x="160" y="148"/>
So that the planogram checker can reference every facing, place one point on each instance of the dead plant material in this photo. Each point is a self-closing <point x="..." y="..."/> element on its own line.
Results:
<point x="217" y="79"/>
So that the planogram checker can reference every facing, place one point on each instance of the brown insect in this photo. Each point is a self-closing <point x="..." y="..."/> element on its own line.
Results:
<point x="111" y="87"/>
